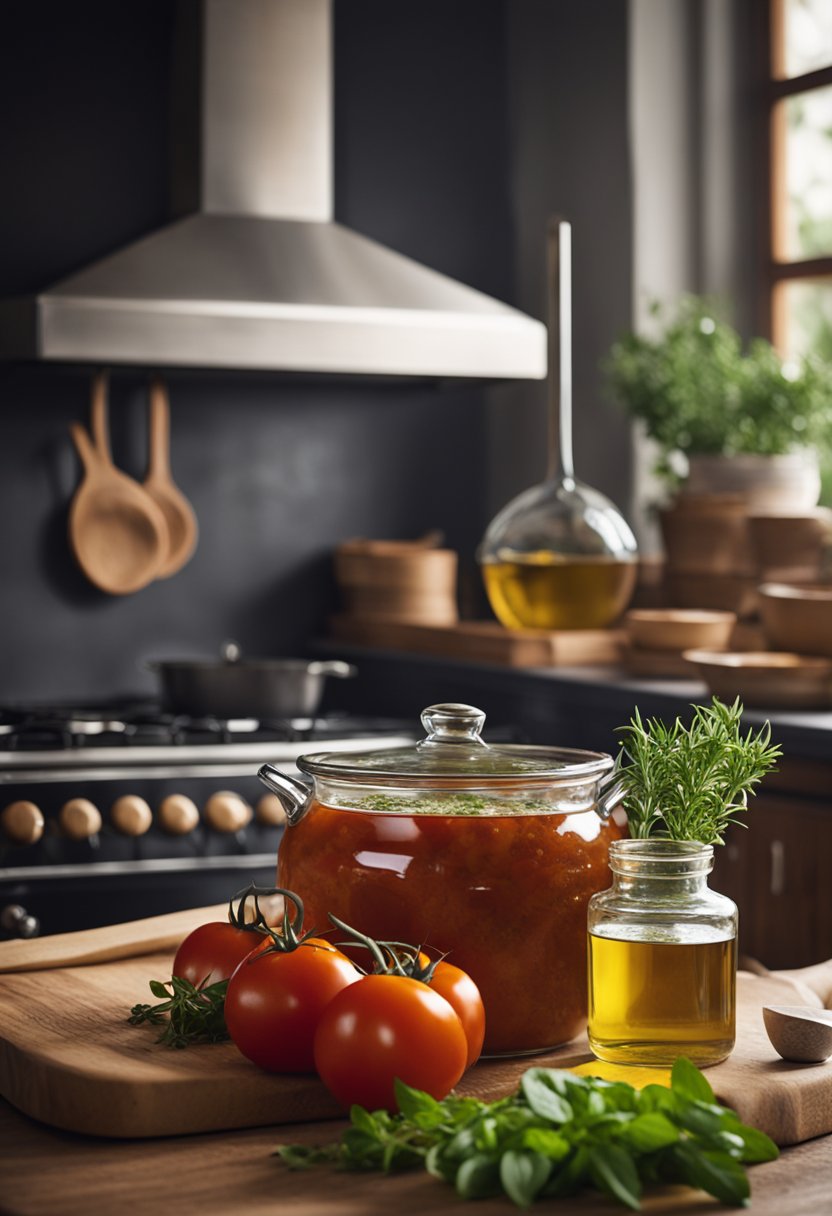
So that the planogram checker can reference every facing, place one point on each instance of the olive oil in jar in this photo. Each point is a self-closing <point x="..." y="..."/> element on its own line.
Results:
<point x="545" y="590"/>
<point x="651" y="1001"/>
<point x="662" y="957"/>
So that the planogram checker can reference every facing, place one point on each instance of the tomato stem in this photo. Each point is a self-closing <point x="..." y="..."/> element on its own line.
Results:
<point x="291" y="933"/>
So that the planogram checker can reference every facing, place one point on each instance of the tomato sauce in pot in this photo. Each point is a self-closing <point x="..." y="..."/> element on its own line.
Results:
<point x="504" y="895"/>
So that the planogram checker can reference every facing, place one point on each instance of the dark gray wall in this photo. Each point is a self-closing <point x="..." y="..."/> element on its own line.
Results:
<point x="569" y="148"/>
<point x="278" y="471"/>
<point x="459" y="126"/>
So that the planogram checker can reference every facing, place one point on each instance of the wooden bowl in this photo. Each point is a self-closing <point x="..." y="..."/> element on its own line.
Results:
<point x="799" y="1032"/>
<point x="397" y="581"/>
<point x="767" y="678"/>
<point x="798" y="617"/>
<point x="707" y="534"/>
<point x="791" y="548"/>
<point x="722" y="592"/>
<point x="678" y="629"/>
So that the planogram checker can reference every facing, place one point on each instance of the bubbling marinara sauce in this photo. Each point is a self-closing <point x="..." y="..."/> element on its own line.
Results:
<point x="505" y="896"/>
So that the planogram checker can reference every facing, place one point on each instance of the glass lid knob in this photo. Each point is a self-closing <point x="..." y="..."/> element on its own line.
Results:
<point x="452" y="723"/>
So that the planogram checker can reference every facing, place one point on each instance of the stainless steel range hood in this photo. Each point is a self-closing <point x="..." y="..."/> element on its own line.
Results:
<point x="260" y="276"/>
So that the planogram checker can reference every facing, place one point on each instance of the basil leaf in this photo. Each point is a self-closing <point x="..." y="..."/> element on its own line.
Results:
<point x="440" y="1166"/>
<point x="612" y="1170"/>
<point x="412" y="1102"/>
<point x="700" y="1118"/>
<point x="571" y="1177"/>
<point x="714" y="1172"/>
<point x="523" y="1174"/>
<point x="649" y="1132"/>
<point x="756" y="1145"/>
<point x="542" y="1098"/>
<point x="687" y="1081"/>
<point x="550" y="1143"/>
<point x="363" y="1120"/>
<point x="657" y="1097"/>
<point x="479" y="1178"/>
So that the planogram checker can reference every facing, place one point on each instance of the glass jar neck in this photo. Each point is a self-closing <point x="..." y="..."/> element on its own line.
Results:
<point x="660" y="869"/>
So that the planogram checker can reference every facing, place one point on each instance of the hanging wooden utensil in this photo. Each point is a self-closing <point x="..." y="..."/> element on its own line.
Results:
<point x="117" y="532"/>
<point x="159" y="484"/>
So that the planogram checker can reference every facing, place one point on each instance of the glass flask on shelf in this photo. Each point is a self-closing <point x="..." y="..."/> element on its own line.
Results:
<point x="560" y="555"/>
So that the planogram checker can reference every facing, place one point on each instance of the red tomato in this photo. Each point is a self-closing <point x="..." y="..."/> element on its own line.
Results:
<point x="274" y="1001"/>
<point x="212" y="952"/>
<point x="463" y="995"/>
<point x="383" y="1027"/>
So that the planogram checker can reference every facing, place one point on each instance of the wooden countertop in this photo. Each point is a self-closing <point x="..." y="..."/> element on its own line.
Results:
<point x="44" y="1172"/>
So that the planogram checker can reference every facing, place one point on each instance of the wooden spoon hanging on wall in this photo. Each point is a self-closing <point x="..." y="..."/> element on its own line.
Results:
<point x="178" y="512"/>
<point x="116" y="530"/>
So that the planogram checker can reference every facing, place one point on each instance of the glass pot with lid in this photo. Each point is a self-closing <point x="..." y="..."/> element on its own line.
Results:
<point x="489" y="854"/>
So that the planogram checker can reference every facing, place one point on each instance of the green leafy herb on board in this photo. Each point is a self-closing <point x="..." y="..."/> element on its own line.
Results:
<point x="558" y="1134"/>
<point x="189" y="1014"/>
<point x="690" y="783"/>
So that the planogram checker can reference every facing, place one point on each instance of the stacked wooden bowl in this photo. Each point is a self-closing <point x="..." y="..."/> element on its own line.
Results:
<point x="409" y="582"/>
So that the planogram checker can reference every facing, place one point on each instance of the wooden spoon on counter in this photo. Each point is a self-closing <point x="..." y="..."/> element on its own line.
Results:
<point x="116" y="530"/>
<point x="159" y="484"/>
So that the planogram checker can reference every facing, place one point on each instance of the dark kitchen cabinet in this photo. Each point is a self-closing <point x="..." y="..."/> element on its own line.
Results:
<point x="779" y="869"/>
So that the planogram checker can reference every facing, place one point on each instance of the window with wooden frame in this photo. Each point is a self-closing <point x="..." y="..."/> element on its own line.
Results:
<point x="801" y="176"/>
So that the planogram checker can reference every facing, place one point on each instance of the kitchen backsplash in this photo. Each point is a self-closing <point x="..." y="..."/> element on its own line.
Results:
<point x="278" y="471"/>
<point x="441" y="142"/>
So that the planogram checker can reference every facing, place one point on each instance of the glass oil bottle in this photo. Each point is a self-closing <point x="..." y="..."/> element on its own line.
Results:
<point x="662" y="958"/>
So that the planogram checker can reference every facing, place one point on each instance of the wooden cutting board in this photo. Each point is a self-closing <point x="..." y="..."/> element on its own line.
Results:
<point x="486" y="642"/>
<point x="69" y="1058"/>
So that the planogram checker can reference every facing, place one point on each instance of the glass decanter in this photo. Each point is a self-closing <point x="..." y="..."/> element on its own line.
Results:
<point x="560" y="555"/>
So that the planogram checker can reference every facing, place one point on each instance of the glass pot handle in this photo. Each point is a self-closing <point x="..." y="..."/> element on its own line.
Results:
<point x="611" y="797"/>
<point x="452" y="723"/>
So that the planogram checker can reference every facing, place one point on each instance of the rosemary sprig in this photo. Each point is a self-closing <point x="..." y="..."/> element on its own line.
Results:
<point x="690" y="783"/>
<point x="189" y="1014"/>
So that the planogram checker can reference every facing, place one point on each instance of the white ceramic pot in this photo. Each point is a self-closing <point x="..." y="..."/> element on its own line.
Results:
<point x="771" y="484"/>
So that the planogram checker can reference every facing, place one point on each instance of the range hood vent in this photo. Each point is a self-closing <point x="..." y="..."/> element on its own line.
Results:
<point x="259" y="276"/>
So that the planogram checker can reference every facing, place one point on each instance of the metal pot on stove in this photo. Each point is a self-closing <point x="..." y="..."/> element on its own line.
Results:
<point x="487" y="853"/>
<point x="237" y="687"/>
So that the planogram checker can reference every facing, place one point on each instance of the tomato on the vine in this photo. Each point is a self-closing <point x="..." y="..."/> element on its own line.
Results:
<point x="210" y="953"/>
<point x="277" y="994"/>
<point x="463" y="995"/>
<point x="383" y="1027"/>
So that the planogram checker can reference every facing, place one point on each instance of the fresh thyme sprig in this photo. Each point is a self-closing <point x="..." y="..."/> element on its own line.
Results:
<point x="690" y="783"/>
<point x="558" y="1134"/>
<point x="189" y="1014"/>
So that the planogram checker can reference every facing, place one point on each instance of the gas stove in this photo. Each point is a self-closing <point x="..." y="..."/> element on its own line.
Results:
<point x="121" y="810"/>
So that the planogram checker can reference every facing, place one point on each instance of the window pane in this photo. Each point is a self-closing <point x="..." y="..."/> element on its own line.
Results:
<point x="807" y="34"/>
<point x="805" y="174"/>
<point x="804" y="312"/>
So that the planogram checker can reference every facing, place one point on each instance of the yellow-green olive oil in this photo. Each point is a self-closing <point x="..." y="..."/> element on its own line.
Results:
<point x="545" y="590"/>
<point x="651" y="1001"/>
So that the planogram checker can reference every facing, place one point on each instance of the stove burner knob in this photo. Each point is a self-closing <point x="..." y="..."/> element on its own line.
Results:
<point x="80" y="818"/>
<point x="227" y="811"/>
<point x="22" y="822"/>
<point x="178" y="814"/>
<point x="270" y="811"/>
<point x="131" y="815"/>
<point x="18" y="922"/>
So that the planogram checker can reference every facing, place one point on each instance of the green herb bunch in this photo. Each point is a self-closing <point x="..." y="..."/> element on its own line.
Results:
<point x="188" y="1014"/>
<point x="558" y="1134"/>
<point x="690" y="783"/>
<point x="697" y="391"/>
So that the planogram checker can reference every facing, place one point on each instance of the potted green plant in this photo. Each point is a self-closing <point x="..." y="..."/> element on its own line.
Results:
<point x="735" y="421"/>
